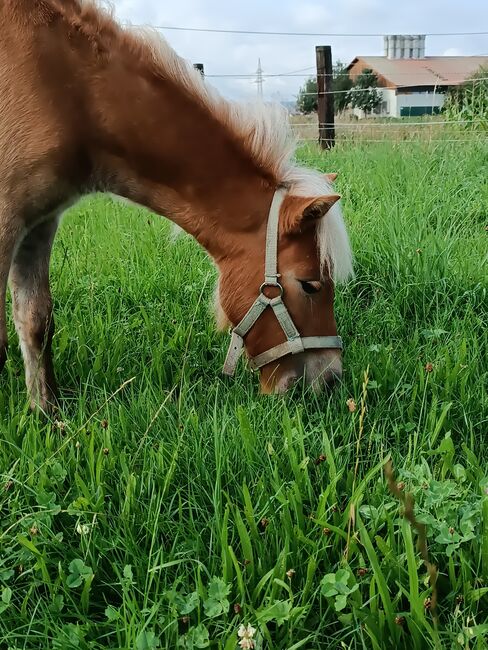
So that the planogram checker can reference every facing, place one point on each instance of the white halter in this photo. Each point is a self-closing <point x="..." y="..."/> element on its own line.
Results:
<point x="294" y="343"/>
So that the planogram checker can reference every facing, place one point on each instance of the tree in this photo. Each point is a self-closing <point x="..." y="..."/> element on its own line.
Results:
<point x="364" y="93"/>
<point x="341" y="83"/>
<point x="307" y="97"/>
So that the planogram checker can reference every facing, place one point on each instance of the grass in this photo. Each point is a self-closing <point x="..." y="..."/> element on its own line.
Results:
<point x="349" y="130"/>
<point x="168" y="506"/>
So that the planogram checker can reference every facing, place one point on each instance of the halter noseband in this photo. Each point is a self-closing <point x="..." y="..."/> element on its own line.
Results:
<point x="294" y="343"/>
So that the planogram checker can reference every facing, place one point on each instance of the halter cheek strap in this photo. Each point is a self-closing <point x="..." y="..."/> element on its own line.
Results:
<point x="294" y="343"/>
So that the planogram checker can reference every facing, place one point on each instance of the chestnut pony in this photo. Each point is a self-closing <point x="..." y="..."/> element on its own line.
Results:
<point x="88" y="106"/>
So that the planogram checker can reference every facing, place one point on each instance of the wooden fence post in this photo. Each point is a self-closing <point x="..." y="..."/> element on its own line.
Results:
<point x="200" y="68"/>
<point x="325" y="98"/>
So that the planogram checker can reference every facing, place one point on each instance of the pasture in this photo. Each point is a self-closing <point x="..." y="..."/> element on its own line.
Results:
<point x="166" y="505"/>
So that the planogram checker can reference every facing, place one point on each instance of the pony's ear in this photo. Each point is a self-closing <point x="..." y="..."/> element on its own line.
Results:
<point x="331" y="177"/>
<point x="298" y="211"/>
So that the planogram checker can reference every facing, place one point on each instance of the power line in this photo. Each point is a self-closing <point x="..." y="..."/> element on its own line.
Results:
<point x="360" y="90"/>
<point x="270" y="33"/>
<point x="303" y="72"/>
<point x="245" y="75"/>
<point x="292" y="73"/>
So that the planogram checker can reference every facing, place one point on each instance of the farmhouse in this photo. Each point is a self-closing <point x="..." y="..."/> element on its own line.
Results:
<point x="412" y="83"/>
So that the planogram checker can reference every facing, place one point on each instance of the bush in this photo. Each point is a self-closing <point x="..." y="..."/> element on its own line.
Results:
<point x="470" y="101"/>
<point x="307" y="96"/>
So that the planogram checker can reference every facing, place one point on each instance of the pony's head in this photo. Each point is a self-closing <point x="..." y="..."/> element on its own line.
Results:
<point x="287" y="323"/>
<point x="276" y="284"/>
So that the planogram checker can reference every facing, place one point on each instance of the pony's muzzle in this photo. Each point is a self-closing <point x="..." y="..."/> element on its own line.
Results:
<point x="319" y="369"/>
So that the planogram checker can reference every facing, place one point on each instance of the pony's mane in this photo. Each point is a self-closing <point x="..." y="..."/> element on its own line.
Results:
<point x="263" y="129"/>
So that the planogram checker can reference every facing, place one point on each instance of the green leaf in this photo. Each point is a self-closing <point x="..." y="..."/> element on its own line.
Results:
<point x="459" y="473"/>
<point x="431" y="334"/>
<point x="340" y="602"/>
<point x="78" y="573"/>
<point x="29" y="545"/>
<point x="48" y="501"/>
<point x="76" y="566"/>
<point x="128" y="575"/>
<point x="200" y="636"/>
<point x="342" y="576"/>
<point x="369" y="512"/>
<point x="188" y="603"/>
<point x="58" y="472"/>
<point x="336" y="583"/>
<point x="447" y="537"/>
<point x="328" y="590"/>
<point x="328" y="580"/>
<point x="214" y="608"/>
<point x="6" y="574"/>
<point x="217" y="603"/>
<point x="279" y="612"/>
<point x="112" y="613"/>
<point x="218" y="589"/>
<point x="6" y="595"/>
<point x="57" y="604"/>
<point x="196" y="637"/>
<point x="74" y="581"/>
<point x="147" y="640"/>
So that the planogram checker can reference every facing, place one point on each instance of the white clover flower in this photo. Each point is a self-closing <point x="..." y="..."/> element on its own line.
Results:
<point x="246" y="633"/>
<point x="246" y="644"/>
<point x="82" y="529"/>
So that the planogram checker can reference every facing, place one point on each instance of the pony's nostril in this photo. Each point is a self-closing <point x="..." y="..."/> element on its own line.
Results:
<point x="285" y="383"/>
<point x="290" y="382"/>
<point x="332" y="378"/>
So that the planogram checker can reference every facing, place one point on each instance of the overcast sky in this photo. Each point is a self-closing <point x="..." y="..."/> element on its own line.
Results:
<point x="238" y="53"/>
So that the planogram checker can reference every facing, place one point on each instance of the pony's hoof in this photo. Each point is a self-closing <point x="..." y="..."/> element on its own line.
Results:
<point x="46" y="403"/>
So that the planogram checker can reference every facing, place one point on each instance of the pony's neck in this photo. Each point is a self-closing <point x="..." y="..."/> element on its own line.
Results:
<point x="160" y="147"/>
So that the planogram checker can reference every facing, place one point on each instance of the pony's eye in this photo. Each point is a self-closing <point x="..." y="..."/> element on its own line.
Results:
<point x="311" y="286"/>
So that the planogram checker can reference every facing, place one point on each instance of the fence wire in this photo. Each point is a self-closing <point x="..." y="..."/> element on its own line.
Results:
<point x="395" y="142"/>
<point x="367" y="124"/>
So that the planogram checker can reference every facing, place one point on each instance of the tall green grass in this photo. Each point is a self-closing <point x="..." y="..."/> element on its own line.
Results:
<point x="167" y="506"/>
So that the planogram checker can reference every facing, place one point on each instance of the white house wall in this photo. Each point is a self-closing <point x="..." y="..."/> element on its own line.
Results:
<point x="393" y="100"/>
<point x="416" y="98"/>
<point x="389" y="102"/>
<point x="388" y="106"/>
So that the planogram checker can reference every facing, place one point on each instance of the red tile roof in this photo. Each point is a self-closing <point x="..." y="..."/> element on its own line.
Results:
<point x="429" y="71"/>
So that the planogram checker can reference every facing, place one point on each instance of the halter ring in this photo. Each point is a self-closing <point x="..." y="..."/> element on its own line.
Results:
<point x="275" y="285"/>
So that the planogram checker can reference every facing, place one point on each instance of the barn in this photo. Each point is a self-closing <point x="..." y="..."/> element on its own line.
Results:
<point x="413" y="84"/>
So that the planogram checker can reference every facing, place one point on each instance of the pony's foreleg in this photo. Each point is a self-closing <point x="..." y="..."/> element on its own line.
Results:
<point x="9" y="233"/>
<point x="33" y="313"/>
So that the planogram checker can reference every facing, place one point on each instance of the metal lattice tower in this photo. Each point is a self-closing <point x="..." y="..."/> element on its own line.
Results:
<point x="259" y="79"/>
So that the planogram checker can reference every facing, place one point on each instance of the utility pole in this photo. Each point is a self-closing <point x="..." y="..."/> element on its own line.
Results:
<point x="200" y="68"/>
<point x="259" y="79"/>
<point x="325" y="96"/>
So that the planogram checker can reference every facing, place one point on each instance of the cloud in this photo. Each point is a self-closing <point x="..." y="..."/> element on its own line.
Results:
<point x="224" y="54"/>
<point x="309" y="16"/>
<point x="452" y="51"/>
